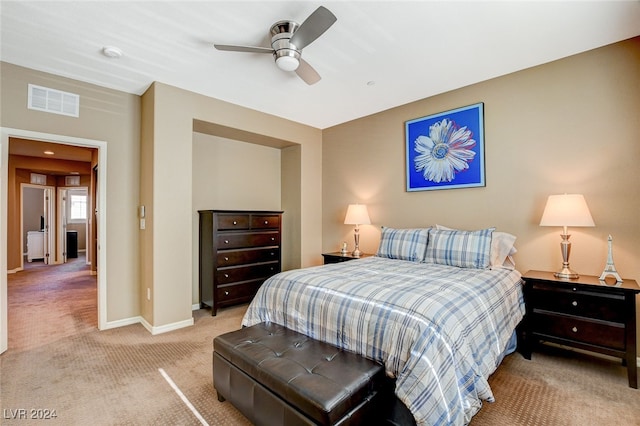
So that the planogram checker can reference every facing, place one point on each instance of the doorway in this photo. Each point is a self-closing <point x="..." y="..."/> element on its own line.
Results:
<point x="37" y="224"/>
<point x="100" y="219"/>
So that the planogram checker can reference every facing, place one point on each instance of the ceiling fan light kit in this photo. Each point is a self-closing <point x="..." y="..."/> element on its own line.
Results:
<point x="288" y="38"/>
<point x="287" y="63"/>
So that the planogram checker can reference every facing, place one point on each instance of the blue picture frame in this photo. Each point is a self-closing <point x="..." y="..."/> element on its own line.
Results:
<point x="446" y="150"/>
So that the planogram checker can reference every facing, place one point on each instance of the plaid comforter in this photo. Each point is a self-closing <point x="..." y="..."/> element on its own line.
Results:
<point x="439" y="330"/>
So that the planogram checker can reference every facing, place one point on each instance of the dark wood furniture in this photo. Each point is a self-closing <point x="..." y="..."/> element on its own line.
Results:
<point x="276" y="376"/>
<point x="238" y="251"/>
<point x="337" y="257"/>
<point x="583" y="313"/>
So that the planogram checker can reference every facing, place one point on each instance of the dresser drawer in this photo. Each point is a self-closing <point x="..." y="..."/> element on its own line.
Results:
<point x="607" y="307"/>
<point x="238" y="292"/>
<point x="599" y="333"/>
<point x="241" y="257"/>
<point x="265" y="221"/>
<point x="233" y="221"/>
<point x="245" y="273"/>
<point x="240" y="240"/>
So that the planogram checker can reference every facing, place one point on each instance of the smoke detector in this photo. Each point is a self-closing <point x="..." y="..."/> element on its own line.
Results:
<point x="111" y="52"/>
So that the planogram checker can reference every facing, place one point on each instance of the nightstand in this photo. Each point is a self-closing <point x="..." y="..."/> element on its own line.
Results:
<point x="582" y="313"/>
<point x="337" y="257"/>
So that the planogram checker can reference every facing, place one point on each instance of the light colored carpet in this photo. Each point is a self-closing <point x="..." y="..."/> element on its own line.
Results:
<point x="57" y="360"/>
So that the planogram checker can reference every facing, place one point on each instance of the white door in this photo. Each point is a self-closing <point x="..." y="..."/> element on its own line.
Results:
<point x="62" y="224"/>
<point x="49" y="226"/>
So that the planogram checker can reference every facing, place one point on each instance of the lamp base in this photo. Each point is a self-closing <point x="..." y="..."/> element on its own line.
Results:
<point x="356" y="253"/>
<point x="566" y="274"/>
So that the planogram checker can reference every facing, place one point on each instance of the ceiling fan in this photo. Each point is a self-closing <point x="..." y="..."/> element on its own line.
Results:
<point x="288" y="38"/>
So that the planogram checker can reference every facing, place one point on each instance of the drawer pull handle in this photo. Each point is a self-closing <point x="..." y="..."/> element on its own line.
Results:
<point x="574" y="329"/>
<point x="273" y="239"/>
<point x="226" y="258"/>
<point x="266" y="222"/>
<point x="226" y="293"/>
<point x="575" y="289"/>
<point x="235" y="223"/>
<point x="226" y="275"/>
<point x="574" y="303"/>
<point x="273" y="254"/>
<point x="226" y="241"/>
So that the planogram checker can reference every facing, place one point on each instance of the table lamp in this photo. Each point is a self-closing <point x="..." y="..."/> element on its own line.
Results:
<point x="566" y="210"/>
<point x="357" y="215"/>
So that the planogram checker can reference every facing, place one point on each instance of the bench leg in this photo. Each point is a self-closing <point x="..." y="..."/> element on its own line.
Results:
<point x="220" y="397"/>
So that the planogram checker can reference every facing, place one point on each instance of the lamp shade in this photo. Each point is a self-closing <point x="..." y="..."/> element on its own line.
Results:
<point x="566" y="210"/>
<point x="357" y="214"/>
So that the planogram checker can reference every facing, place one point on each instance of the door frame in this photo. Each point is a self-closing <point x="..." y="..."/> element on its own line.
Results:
<point x="7" y="133"/>
<point x="23" y="231"/>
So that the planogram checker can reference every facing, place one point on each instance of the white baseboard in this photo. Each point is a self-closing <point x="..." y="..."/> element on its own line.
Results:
<point x="150" y="328"/>
<point x="122" y="322"/>
<point x="167" y="327"/>
<point x="195" y="306"/>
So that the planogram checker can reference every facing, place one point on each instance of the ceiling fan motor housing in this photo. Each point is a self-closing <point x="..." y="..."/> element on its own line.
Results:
<point x="286" y="55"/>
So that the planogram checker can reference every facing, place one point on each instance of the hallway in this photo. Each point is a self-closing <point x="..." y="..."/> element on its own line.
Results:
<point x="49" y="302"/>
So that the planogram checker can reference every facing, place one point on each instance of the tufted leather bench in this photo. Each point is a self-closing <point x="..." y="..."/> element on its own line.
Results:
<point x="276" y="376"/>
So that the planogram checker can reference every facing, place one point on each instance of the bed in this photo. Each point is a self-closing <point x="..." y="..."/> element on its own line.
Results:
<point x="440" y="322"/>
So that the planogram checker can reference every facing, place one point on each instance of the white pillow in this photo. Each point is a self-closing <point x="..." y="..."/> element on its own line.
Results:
<point x="502" y="249"/>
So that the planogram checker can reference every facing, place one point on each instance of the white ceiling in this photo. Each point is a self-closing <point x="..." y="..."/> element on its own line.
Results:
<point x="409" y="50"/>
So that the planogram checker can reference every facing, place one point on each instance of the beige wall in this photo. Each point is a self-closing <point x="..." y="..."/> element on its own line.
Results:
<point x="567" y="126"/>
<point x="105" y="115"/>
<point x="231" y="175"/>
<point x="168" y="121"/>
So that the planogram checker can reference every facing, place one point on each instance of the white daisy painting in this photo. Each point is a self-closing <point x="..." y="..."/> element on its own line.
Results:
<point x="446" y="150"/>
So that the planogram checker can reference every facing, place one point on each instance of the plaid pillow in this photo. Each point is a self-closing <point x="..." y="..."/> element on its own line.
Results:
<point x="403" y="244"/>
<point x="464" y="249"/>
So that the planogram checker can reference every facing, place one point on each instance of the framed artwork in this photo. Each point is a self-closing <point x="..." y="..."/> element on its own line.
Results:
<point x="446" y="150"/>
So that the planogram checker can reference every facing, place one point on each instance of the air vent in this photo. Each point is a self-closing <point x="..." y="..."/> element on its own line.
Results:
<point x="54" y="101"/>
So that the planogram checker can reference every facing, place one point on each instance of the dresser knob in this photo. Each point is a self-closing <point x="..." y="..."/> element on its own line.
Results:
<point x="235" y="223"/>
<point x="273" y="239"/>
<point x="574" y="329"/>
<point x="273" y="254"/>
<point x="575" y="289"/>
<point x="226" y="259"/>
<point x="266" y="222"/>
<point x="226" y="293"/>
<point x="574" y="303"/>
<point x="226" y="275"/>
<point x="226" y="241"/>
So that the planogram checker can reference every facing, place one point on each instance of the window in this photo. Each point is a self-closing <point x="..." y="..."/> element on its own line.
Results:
<point x="78" y="207"/>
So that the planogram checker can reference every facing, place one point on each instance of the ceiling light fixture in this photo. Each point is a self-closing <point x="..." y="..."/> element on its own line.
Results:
<point x="111" y="52"/>
<point x="287" y="63"/>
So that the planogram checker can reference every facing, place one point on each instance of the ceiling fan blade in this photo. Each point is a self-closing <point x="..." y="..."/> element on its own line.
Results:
<point x="249" y="49"/>
<point x="307" y="73"/>
<point x="313" y="27"/>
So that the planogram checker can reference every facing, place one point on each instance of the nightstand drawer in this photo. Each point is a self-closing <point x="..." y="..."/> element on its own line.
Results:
<point x="607" y="307"/>
<point x="599" y="333"/>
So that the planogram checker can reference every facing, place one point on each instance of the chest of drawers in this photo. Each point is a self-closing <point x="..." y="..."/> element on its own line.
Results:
<point x="584" y="313"/>
<point x="238" y="251"/>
